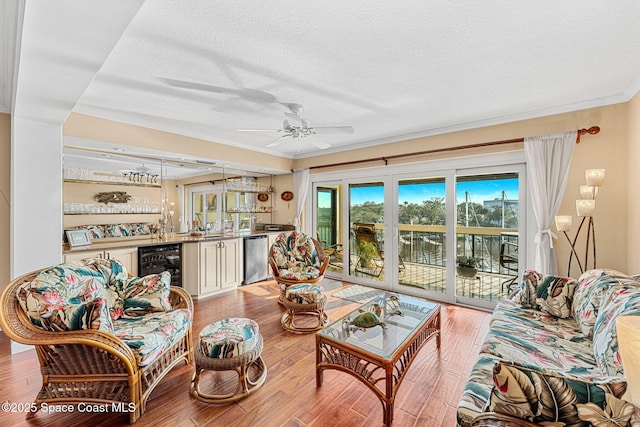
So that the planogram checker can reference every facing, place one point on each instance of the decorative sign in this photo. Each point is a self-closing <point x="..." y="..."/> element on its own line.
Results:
<point x="113" y="197"/>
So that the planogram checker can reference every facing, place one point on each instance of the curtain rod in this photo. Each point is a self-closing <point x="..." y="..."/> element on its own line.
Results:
<point x="591" y="131"/>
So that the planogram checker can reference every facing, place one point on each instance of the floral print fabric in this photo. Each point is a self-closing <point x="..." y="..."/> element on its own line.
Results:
<point x="552" y="399"/>
<point x="551" y="294"/>
<point x="305" y="293"/>
<point x="116" y="230"/>
<point x="148" y="336"/>
<point x="618" y="301"/>
<point x="149" y="294"/>
<point x="98" y="294"/>
<point x="228" y="338"/>
<point x="592" y="286"/>
<point x="296" y="256"/>
<point x="556" y="370"/>
<point x="71" y="296"/>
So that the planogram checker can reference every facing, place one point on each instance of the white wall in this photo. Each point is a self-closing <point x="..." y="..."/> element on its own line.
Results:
<point x="36" y="195"/>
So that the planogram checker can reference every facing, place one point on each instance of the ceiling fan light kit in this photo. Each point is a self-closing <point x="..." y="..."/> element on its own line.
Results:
<point x="296" y="127"/>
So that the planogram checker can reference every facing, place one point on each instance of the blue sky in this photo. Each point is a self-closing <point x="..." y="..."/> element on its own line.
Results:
<point x="479" y="191"/>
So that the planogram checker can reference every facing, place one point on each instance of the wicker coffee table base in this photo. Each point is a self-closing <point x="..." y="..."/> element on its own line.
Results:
<point x="242" y="364"/>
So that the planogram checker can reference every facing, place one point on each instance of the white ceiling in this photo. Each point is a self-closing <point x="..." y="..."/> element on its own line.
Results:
<point x="392" y="70"/>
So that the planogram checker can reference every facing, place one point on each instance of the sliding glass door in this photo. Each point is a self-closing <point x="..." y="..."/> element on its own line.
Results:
<point x="405" y="229"/>
<point x="421" y="234"/>
<point x="329" y="231"/>
<point x="366" y="231"/>
<point x="487" y="233"/>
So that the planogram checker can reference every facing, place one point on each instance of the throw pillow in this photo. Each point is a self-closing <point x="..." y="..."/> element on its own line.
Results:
<point x="618" y="301"/>
<point x="555" y="294"/>
<point x="592" y="286"/>
<point x="47" y="310"/>
<point x="551" y="294"/>
<point x="148" y="294"/>
<point x="526" y="295"/>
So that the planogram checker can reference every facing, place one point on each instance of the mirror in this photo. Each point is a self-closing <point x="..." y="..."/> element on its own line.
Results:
<point x="185" y="194"/>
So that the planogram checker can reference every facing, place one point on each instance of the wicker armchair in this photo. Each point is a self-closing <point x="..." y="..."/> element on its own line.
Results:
<point x="297" y="258"/>
<point x="91" y="365"/>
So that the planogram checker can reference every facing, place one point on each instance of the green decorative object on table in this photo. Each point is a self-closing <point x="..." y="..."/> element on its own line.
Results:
<point x="368" y="319"/>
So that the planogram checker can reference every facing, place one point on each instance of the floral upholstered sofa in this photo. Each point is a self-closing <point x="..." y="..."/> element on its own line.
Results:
<point x="551" y="354"/>
<point x="100" y="335"/>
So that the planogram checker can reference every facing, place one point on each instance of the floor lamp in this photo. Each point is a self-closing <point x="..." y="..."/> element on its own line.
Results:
<point x="585" y="207"/>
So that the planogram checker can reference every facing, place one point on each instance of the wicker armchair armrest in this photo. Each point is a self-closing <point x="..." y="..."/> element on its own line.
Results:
<point x="179" y="298"/>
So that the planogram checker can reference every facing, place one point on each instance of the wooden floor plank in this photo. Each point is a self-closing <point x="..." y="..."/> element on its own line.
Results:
<point x="289" y="397"/>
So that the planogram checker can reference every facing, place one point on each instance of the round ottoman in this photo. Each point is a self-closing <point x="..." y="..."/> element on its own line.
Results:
<point x="230" y="344"/>
<point x="305" y="299"/>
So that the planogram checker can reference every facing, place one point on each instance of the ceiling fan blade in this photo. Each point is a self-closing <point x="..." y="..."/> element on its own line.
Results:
<point x="258" y="130"/>
<point x="194" y="85"/>
<point x="332" y="129"/>
<point x="316" y="142"/>
<point x="277" y="141"/>
<point x="294" y="119"/>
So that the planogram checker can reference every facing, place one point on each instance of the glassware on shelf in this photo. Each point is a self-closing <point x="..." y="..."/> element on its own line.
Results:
<point x="120" y="208"/>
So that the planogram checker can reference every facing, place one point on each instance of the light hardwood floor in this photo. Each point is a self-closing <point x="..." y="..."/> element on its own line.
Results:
<point x="427" y="397"/>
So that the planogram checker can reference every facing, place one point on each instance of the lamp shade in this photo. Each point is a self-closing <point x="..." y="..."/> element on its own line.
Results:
<point x="585" y="207"/>
<point x="628" y="329"/>
<point x="563" y="222"/>
<point x="595" y="177"/>
<point x="588" y="192"/>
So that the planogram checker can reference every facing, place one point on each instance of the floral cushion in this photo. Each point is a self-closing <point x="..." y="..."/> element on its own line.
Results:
<point x="72" y="295"/>
<point x="547" y="398"/>
<point x="294" y="253"/>
<point x="543" y="341"/>
<point x="149" y="336"/>
<point x="551" y="294"/>
<point x="618" y="301"/>
<point x="148" y="294"/>
<point x="101" y="231"/>
<point x="228" y="338"/>
<point x="300" y="273"/>
<point x="592" y="286"/>
<point x="305" y="293"/>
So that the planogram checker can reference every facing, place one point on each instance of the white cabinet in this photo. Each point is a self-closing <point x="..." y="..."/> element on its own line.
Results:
<point x="127" y="256"/>
<point x="212" y="266"/>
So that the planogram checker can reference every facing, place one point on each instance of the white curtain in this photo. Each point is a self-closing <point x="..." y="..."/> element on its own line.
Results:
<point x="300" y="189"/>
<point x="548" y="160"/>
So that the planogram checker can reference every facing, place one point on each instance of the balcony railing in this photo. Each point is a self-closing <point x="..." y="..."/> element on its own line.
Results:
<point x="422" y="249"/>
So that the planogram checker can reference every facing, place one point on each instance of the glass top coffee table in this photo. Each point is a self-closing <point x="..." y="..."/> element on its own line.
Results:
<point x="379" y="354"/>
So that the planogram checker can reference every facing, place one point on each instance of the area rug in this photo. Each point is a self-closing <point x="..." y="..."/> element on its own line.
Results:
<point x="357" y="293"/>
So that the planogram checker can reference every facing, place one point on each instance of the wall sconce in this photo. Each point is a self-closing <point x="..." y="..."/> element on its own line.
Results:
<point x="628" y="330"/>
<point x="585" y="208"/>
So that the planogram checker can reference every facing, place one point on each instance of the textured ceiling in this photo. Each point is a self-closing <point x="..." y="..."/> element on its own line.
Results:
<point x="392" y="70"/>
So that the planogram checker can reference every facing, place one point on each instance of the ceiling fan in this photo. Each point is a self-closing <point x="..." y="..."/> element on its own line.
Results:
<point x="297" y="127"/>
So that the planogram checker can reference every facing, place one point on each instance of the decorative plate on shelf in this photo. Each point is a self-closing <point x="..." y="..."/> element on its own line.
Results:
<point x="286" y="196"/>
<point x="263" y="197"/>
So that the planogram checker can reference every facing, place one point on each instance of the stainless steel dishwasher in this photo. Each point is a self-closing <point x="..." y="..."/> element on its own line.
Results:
<point x="256" y="249"/>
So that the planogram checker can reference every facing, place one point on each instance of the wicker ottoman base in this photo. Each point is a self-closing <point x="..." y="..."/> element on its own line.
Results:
<point x="249" y="366"/>
<point x="306" y="308"/>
